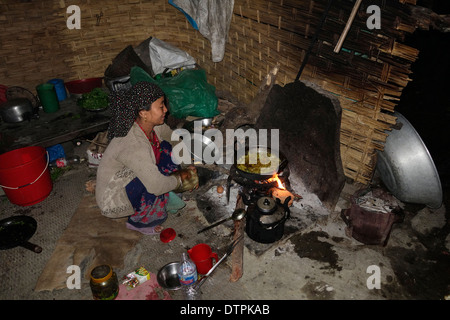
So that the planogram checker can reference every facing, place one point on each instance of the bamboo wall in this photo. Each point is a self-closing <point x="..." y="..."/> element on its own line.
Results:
<point x="367" y="76"/>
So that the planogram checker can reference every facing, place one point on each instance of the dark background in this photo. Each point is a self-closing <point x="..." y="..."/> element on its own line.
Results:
<point x="425" y="101"/>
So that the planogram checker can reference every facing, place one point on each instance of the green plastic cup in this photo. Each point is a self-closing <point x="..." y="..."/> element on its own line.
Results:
<point x="48" y="97"/>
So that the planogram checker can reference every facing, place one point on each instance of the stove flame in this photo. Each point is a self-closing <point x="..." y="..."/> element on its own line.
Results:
<point x="271" y="180"/>
<point x="276" y="179"/>
<point x="280" y="192"/>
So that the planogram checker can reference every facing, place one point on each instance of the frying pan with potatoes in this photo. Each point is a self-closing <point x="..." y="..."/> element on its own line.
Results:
<point x="260" y="163"/>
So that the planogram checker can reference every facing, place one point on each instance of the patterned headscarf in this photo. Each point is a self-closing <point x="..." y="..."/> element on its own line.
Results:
<point x="125" y="106"/>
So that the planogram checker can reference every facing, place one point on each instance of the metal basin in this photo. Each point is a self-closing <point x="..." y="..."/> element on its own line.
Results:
<point x="200" y="148"/>
<point x="168" y="278"/>
<point x="198" y="154"/>
<point x="407" y="169"/>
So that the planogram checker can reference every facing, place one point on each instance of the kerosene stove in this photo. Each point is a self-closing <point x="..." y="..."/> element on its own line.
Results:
<point x="265" y="218"/>
<point x="266" y="215"/>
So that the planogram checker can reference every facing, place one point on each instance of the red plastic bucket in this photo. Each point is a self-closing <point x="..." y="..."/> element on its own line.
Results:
<point x="24" y="175"/>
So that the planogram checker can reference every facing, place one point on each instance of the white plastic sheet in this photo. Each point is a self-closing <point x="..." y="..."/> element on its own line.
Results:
<point x="166" y="56"/>
<point x="211" y="18"/>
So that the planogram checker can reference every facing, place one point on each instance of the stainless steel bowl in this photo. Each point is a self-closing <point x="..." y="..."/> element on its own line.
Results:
<point x="205" y="142"/>
<point x="197" y="148"/>
<point x="168" y="278"/>
<point x="407" y="169"/>
<point x="206" y="123"/>
<point x="16" y="110"/>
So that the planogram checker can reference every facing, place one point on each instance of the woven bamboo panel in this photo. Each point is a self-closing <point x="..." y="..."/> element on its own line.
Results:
<point x="367" y="76"/>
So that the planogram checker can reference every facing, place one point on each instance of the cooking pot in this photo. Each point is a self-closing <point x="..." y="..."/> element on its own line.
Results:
<point x="16" y="110"/>
<point x="261" y="150"/>
<point x="265" y="220"/>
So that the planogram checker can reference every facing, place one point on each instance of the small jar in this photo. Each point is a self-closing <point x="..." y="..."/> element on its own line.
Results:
<point x="104" y="283"/>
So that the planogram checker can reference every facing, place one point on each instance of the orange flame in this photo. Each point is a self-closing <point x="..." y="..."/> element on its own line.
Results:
<point x="275" y="178"/>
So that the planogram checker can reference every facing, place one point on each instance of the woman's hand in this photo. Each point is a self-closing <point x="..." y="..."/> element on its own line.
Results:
<point x="185" y="174"/>
<point x="193" y="168"/>
<point x="189" y="179"/>
<point x="193" y="171"/>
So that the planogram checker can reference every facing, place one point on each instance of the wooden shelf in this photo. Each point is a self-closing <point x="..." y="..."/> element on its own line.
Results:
<point x="68" y="123"/>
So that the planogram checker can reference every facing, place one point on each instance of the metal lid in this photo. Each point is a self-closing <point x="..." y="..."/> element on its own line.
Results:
<point x="266" y="204"/>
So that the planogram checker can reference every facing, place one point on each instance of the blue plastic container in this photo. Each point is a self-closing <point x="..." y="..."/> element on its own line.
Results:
<point x="61" y="92"/>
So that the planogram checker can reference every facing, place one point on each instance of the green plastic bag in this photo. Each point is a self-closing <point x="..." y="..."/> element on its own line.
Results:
<point x="188" y="92"/>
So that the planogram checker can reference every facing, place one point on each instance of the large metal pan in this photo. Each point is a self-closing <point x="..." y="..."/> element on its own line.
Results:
<point x="267" y="174"/>
<point x="16" y="231"/>
<point x="406" y="167"/>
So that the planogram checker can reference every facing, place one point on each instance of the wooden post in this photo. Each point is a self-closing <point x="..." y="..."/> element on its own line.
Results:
<point x="237" y="257"/>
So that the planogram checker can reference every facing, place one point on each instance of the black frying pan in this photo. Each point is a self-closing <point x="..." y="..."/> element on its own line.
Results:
<point x="267" y="175"/>
<point x="16" y="231"/>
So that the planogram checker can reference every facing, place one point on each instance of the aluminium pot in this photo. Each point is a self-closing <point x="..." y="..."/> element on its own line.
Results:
<point x="265" y="221"/>
<point x="16" y="110"/>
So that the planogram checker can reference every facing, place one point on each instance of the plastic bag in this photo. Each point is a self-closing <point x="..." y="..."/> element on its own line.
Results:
<point x="188" y="92"/>
<point x="166" y="56"/>
<point x="211" y="18"/>
<point x="55" y="152"/>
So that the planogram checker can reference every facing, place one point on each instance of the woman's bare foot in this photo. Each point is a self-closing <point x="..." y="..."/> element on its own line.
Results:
<point x="90" y="186"/>
<point x="146" y="230"/>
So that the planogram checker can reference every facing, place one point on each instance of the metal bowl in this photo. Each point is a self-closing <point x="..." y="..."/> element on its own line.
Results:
<point x="206" y="123"/>
<point x="16" y="110"/>
<point x="196" y="145"/>
<point x="407" y="169"/>
<point x="168" y="278"/>
<point x="205" y="142"/>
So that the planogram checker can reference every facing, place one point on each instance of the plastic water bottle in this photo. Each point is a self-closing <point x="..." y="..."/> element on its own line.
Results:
<point x="187" y="274"/>
<point x="187" y="271"/>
